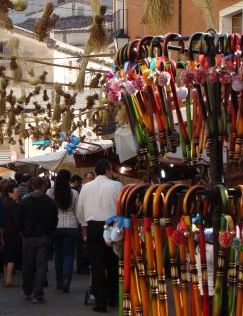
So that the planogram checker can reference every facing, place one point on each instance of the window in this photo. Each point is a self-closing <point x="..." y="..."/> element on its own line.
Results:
<point x="80" y="11"/>
<point x="237" y="23"/>
<point x="2" y="48"/>
<point x="230" y="19"/>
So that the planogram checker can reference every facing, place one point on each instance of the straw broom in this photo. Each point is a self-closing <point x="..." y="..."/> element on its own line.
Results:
<point x="158" y="12"/>
<point x="206" y="7"/>
<point x="97" y="40"/>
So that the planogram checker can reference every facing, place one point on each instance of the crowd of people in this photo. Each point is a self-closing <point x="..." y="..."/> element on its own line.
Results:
<point x="37" y="217"/>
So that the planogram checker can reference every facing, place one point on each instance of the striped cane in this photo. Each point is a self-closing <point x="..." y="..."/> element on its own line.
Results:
<point x="149" y="249"/>
<point x="158" y="204"/>
<point x="170" y="205"/>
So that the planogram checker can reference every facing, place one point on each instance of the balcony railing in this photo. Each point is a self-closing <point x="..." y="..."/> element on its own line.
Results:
<point x="116" y="24"/>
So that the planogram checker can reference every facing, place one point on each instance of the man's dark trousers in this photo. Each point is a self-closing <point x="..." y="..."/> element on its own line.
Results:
<point x="104" y="266"/>
<point x="35" y="260"/>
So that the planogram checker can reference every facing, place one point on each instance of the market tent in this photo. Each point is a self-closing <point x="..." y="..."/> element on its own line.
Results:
<point x="6" y="173"/>
<point x="52" y="162"/>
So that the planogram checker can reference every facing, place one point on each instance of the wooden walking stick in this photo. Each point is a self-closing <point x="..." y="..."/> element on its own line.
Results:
<point x="133" y="203"/>
<point x="149" y="249"/>
<point x="239" y="301"/>
<point x="169" y="68"/>
<point x="188" y="209"/>
<point x="158" y="204"/>
<point x="222" y="196"/>
<point x="171" y="199"/>
<point x="121" y="212"/>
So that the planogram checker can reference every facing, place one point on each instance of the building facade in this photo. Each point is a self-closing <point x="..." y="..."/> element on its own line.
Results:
<point x="189" y="16"/>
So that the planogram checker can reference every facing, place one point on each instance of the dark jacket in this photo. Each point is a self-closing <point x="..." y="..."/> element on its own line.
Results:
<point x="1" y="213"/>
<point x="38" y="215"/>
<point x="10" y="224"/>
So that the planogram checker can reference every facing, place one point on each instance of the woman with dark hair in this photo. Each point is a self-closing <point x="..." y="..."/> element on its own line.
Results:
<point x="67" y="228"/>
<point x="11" y="236"/>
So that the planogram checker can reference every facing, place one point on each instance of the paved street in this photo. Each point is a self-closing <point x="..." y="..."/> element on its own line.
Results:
<point x="57" y="303"/>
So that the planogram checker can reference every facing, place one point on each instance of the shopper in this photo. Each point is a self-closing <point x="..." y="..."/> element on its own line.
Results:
<point x="82" y="260"/>
<point x="37" y="221"/>
<point x="67" y="229"/>
<point x="76" y="182"/>
<point x="24" y="186"/>
<point x="89" y="176"/>
<point x="11" y="236"/>
<point x="97" y="202"/>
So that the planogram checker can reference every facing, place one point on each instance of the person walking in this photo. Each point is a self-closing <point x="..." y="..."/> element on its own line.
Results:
<point x="11" y="238"/>
<point x="97" y="202"/>
<point x="24" y="186"/>
<point x="37" y="221"/>
<point x="67" y="229"/>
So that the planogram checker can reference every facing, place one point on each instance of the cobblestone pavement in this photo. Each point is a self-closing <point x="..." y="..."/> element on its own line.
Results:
<point x="57" y="303"/>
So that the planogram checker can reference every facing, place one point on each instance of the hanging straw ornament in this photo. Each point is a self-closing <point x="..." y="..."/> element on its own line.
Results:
<point x="94" y="83"/>
<point x="98" y="36"/>
<point x="3" y="86"/>
<point x="5" y="21"/>
<point x="80" y="80"/>
<point x="33" y="79"/>
<point x="21" y="99"/>
<point x="19" y="5"/>
<point x="11" y="121"/>
<point x="22" y="132"/>
<point x="15" y="66"/>
<point x="45" y="95"/>
<point x="67" y="121"/>
<point x="46" y="23"/>
<point x="157" y="12"/>
<point x="206" y="7"/>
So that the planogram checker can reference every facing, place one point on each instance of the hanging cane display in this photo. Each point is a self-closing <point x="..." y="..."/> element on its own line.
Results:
<point x="182" y="91"/>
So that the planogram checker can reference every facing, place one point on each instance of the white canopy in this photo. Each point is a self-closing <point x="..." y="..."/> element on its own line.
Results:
<point x="51" y="161"/>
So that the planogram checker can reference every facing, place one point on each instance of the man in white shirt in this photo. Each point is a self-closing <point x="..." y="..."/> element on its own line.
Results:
<point x="97" y="202"/>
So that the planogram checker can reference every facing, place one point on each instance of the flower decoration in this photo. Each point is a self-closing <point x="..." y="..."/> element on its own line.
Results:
<point x="179" y="237"/>
<point x="187" y="77"/>
<point x="129" y="87"/>
<point x="212" y="75"/>
<point x="225" y="77"/>
<point x="199" y="76"/>
<point x="164" y="78"/>
<point x="182" y="93"/>
<point x="225" y="239"/>
<point x="138" y="83"/>
<point x="237" y="84"/>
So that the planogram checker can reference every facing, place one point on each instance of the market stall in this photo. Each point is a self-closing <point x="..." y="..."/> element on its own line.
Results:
<point x="153" y="76"/>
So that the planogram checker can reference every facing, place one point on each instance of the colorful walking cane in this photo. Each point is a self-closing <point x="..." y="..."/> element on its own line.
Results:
<point x="149" y="249"/>
<point x="159" y="233"/>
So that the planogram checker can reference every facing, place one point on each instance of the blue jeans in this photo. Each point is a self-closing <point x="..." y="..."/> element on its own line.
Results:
<point x="65" y="241"/>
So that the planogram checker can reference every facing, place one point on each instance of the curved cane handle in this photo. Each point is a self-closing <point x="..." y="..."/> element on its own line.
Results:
<point x="121" y="197"/>
<point x="157" y="41"/>
<point x="132" y="51"/>
<point x="170" y="37"/>
<point x="148" y="200"/>
<point x="158" y="197"/>
<point x="169" y="198"/>
<point x="190" y="196"/>
<point x="194" y="38"/>
<point x="142" y="45"/>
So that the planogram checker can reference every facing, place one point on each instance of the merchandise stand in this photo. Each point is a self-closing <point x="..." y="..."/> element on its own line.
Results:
<point x="163" y="226"/>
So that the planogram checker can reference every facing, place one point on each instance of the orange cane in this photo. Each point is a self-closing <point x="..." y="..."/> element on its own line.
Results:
<point x="134" y="201"/>
<point x="171" y="199"/>
<point x="158" y="204"/>
<point x="239" y="303"/>
<point x="149" y="249"/>
<point x="188" y="205"/>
